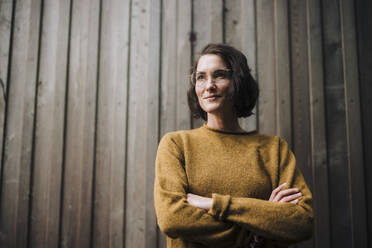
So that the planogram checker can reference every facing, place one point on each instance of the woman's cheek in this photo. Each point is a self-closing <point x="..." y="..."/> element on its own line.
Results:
<point x="230" y="91"/>
<point x="199" y="96"/>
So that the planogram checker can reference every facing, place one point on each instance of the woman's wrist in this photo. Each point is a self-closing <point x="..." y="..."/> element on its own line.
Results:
<point x="199" y="201"/>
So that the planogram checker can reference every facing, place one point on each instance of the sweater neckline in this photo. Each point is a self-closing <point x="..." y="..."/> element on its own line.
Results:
<point x="216" y="130"/>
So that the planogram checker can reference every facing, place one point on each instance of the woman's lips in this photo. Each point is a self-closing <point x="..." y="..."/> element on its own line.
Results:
<point x="211" y="98"/>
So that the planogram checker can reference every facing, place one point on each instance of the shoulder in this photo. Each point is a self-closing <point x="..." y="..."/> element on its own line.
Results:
<point x="179" y="138"/>
<point x="179" y="134"/>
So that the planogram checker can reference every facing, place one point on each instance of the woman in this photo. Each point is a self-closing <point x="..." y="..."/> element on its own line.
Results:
<point x="220" y="186"/>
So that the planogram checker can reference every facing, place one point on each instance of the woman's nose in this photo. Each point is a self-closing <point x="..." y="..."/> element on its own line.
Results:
<point x="210" y="84"/>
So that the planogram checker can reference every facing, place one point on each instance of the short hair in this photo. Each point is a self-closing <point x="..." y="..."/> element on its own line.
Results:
<point x="245" y="87"/>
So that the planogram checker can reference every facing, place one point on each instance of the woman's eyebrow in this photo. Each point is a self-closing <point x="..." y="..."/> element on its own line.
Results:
<point x="224" y="70"/>
<point x="217" y="70"/>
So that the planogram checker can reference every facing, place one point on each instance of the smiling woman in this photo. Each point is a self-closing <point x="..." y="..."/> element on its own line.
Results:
<point x="219" y="185"/>
<point x="226" y="66"/>
<point x="214" y="88"/>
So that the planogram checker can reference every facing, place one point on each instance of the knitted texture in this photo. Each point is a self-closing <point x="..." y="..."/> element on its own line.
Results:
<point x="239" y="171"/>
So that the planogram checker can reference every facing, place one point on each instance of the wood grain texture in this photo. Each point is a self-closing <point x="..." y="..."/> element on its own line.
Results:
<point x="267" y="118"/>
<point x="341" y="219"/>
<point x="17" y="161"/>
<point x="353" y="124"/>
<point x="152" y="118"/>
<point x="207" y="28"/>
<point x="300" y="93"/>
<point x="364" y="36"/>
<point x="175" y="65"/>
<point x="49" y="129"/>
<point x="240" y="32"/>
<point x="80" y="125"/>
<point x="249" y="48"/>
<point x="208" y="22"/>
<point x="143" y="122"/>
<point x="6" y="14"/>
<point x="282" y="71"/>
<point x="318" y="126"/>
<point x="109" y="195"/>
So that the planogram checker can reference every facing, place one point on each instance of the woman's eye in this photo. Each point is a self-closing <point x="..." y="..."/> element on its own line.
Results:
<point x="220" y="75"/>
<point x="200" y="77"/>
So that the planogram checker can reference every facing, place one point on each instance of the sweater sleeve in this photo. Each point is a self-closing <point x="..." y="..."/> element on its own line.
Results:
<point x="284" y="222"/>
<point x="176" y="218"/>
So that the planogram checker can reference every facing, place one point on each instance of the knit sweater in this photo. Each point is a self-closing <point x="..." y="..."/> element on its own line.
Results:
<point x="239" y="171"/>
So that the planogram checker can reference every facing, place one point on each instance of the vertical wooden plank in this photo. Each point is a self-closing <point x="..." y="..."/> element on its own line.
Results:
<point x="364" y="35"/>
<point x="249" y="48"/>
<point x="49" y="127"/>
<point x="170" y="80"/>
<point x="80" y="125"/>
<point x="183" y="65"/>
<point x="318" y="124"/>
<point x="6" y="13"/>
<point x="267" y="119"/>
<point x="137" y="110"/>
<point x="249" y="33"/>
<point x="208" y="22"/>
<point x="176" y="57"/>
<point x="300" y="89"/>
<point x="152" y="117"/>
<point x="109" y="195"/>
<point x="282" y="71"/>
<point x="240" y="32"/>
<point x="353" y="124"/>
<point x="233" y="22"/>
<point x="207" y="18"/>
<point x="19" y="127"/>
<point x="175" y="70"/>
<point x="336" y="127"/>
<point x="143" y="122"/>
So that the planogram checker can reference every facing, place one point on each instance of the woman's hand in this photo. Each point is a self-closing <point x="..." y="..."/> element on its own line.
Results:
<point x="291" y="195"/>
<point x="279" y="194"/>
<point x="199" y="201"/>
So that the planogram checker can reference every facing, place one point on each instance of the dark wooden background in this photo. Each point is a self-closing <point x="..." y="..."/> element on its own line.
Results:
<point x="88" y="87"/>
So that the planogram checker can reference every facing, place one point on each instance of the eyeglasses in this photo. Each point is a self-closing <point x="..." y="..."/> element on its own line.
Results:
<point x="218" y="76"/>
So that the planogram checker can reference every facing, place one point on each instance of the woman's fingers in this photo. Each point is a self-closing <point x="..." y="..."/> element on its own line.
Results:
<point x="285" y="193"/>
<point x="294" y="201"/>
<point x="280" y="194"/>
<point x="291" y="197"/>
<point x="276" y="191"/>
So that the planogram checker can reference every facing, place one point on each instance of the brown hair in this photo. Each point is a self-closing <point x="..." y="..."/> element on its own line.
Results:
<point x="245" y="87"/>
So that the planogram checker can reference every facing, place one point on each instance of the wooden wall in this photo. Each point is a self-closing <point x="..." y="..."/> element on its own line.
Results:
<point x="88" y="87"/>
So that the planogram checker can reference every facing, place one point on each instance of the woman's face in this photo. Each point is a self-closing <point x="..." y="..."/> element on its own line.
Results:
<point x="214" y="88"/>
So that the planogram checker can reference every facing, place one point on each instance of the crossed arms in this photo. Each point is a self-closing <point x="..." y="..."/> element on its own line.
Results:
<point x="222" y="219"/>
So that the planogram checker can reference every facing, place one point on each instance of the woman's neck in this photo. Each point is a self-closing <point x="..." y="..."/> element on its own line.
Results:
<point x="224" y="123"/>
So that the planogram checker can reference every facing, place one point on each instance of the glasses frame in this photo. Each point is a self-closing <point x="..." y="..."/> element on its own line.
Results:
<point x="215" y="79"/>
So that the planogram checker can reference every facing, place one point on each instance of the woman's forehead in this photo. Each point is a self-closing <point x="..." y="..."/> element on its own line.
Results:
<point x="209" y="62"/>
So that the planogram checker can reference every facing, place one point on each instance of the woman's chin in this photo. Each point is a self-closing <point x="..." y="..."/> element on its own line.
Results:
<point x="211" y="108"/>
<point x="217" y="108"/>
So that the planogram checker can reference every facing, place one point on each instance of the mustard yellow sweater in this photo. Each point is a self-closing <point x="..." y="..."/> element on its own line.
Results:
<point x="239" y="171"/>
